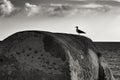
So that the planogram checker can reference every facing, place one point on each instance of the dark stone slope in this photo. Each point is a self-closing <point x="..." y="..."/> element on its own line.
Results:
<point x="39" y="55"/>
<point x="111" y="53"/>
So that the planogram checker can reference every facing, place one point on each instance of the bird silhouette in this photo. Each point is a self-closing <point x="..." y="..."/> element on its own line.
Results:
<point x="79" y="31"/>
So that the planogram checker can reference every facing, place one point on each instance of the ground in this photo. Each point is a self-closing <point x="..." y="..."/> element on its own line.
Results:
<point x="111" y="52"/>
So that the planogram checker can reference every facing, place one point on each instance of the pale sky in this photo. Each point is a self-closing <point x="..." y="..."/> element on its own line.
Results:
<point x="99" y="19"/>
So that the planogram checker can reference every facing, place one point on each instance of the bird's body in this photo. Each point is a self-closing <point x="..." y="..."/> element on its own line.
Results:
<point x="79" y="31"/>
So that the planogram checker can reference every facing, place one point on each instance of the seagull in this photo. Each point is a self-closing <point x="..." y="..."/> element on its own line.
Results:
<point x="79" y="31"/>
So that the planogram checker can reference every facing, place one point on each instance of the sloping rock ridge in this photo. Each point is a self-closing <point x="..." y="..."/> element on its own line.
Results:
<point x="39" y="55"/>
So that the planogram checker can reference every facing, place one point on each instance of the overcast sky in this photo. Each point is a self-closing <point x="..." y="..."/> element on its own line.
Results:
<point x="100" y="19"/>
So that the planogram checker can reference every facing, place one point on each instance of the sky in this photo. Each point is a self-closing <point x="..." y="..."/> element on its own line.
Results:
<point x="100" y="19"/>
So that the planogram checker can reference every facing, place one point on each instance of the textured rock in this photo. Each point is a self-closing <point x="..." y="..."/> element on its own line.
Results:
<point x="37" y="55"/>
<point x="111" y="53"/>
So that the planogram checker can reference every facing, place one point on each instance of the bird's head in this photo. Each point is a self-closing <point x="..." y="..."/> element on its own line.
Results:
<point x="76" y="27"/>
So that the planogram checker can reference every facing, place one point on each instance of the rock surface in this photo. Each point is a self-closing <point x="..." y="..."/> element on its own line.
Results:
<point x="38" y="55"/>
<point x="111" y="53"/>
